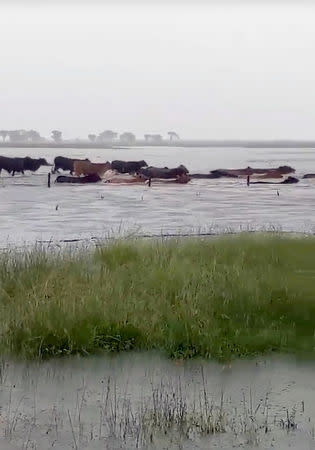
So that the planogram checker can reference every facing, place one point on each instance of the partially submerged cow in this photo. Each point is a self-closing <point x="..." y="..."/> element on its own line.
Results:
<point x="128" y="166"/>
<point x="19" y="165"/>
<point x="206" y="175"/>
<point x="126" y="178"/>
<point x="289" y="180"/>
<point x="164" y="172"/>
<point x="88" y="168"/>
<point x="180" y="179"/>
<point x="94" y="178"/>
<point x="60" y="162"/>
<point x="276" y="172"/>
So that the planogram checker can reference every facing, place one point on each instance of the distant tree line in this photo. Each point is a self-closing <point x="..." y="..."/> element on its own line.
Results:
<point x="33" y="136"/>
<point x="21" y="136"/>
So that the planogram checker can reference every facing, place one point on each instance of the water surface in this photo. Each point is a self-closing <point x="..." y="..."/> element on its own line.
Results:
<point x="103" y="402"/>
<point x="30" y="211"/>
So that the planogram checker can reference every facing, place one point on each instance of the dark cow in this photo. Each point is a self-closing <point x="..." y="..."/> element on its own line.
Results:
<point x="309" y="175"/>
<point x="164" y="172"/>
<point x="128" y="166"/>
<point x="212" y="175"/>
<point x="33" y="164"/>
<point x="12" y="164"/>
<point x="60" y="162"/>
<point x="234" y="173"/>
<point x="79" y="180"/>
<point x="289" y="180"/>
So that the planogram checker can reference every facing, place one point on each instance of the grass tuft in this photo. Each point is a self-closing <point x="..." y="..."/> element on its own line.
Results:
<point x="217" y="298"/>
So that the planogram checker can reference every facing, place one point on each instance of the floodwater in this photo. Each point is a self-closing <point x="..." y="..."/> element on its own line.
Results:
<point x="142" y="400"/>
<point x="30" y="211"/>
<point x="145" y="401"/>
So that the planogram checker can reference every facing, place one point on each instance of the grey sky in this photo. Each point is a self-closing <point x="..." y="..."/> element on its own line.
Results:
<point x="209" y="70"/>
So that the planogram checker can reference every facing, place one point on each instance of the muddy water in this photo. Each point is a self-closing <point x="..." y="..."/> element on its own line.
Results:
<point x="123" y="401"/>
<point x="30" y="211"/>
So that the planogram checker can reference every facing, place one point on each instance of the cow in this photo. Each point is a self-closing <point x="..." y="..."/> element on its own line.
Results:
<point x="211" y="175"/>
<point x="128" y="166"/>
<point x="88" y="168"/>
<point x="126" y="179"/>
<point x="309" y="175"/>
<point x="34" y="164"/>
<point x="235" y="173"/>
<point x="60" y="162"/>
<point x="94" y="178"/>
<point x="164" y="172"/>
<point x="12" y="164"/>
<point x="289" y="180"/>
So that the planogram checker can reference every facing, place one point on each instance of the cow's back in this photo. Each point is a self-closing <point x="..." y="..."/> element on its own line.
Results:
<point x="88" y="168"/>
<point x="127" y="166"/>
<point x="63" y="163"/>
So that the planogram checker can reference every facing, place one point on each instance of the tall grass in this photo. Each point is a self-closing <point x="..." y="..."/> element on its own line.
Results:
<point x="217" y="298"/>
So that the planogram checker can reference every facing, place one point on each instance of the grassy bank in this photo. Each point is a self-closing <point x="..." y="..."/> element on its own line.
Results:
<point x="217" y="298"/>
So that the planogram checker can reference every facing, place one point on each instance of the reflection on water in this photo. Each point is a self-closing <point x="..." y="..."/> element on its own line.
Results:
<point x="144" y="401"/>
<point x="30" y="211"/>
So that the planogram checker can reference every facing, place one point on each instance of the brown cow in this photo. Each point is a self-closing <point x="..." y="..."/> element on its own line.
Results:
<point x="118" y="179"/>
<point x="270" y="174"/>
<point x="88" y="168"/>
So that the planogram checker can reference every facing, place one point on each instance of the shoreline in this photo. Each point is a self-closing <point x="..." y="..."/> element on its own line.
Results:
<point x="180" y="143"/>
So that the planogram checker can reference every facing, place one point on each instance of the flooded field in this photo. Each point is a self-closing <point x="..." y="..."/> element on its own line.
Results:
<point x="145" y="401"/>
<point x="30" y="211"/>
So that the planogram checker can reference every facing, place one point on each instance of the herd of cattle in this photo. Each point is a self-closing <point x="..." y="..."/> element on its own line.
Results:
<point x="85" y="171"/>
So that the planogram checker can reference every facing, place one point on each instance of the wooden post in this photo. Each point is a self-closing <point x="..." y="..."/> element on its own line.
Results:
<point x="48" y="181"/>
<point x="248" y="178"/>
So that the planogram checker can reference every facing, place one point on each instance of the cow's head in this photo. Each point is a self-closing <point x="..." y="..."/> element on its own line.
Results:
<point x="43" y="162"/>
<point x="182" y="169"/>
<point x="286" y="169"/>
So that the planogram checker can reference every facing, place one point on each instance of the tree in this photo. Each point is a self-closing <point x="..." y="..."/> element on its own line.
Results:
<point x="128" y="138"/>
<point x="156" y="138"/>
<point x="92" y="137"/>
<point x="173" y="135"/>
<point x="147" y="137"/>
<point x="18" y="135"/>
<point x="33" y="136"/>
<point x="3" y="134"/>
<point x="56" y="135"/>
<point x="107" y="136"/>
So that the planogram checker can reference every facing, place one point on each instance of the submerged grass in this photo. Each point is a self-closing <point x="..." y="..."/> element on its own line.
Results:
<point x="219" y="298"/>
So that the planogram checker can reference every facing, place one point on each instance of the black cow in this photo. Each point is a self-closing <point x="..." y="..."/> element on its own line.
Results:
<point x="94" y="178"/>
<point x="33" y="164"/>
<point x="205" y="175"/>
<point x="12" y="164"/>
<point x="164" y="172"/>
<point x="60" y="162"/>
<point x="289" y="180"/>
<point x="128" y="166"/>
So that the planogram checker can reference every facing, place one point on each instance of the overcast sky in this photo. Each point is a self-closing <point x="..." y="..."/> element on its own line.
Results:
<point x="203" y="69"/>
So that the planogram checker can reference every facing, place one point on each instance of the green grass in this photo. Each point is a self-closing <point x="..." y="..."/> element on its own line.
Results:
<point x="218" y="298"/>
